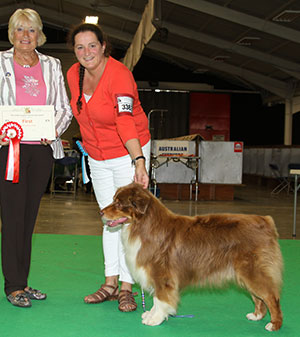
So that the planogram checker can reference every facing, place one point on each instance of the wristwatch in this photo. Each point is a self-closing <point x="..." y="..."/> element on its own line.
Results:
<point x="137" y="158"/>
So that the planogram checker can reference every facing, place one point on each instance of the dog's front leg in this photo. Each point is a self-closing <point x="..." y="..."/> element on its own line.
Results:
<point x="158" y="313"/>
<point x="149" y="313"/>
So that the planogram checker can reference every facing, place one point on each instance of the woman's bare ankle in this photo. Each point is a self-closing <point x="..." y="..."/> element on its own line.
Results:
<point x="111" y="280"/>
<point x="126" y="286"/>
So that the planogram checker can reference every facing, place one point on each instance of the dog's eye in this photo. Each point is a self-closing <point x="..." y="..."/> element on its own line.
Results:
<point x="133" y="203"/>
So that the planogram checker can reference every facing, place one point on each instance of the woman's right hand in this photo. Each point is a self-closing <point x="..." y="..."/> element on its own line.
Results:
<point x="3" y="142"/>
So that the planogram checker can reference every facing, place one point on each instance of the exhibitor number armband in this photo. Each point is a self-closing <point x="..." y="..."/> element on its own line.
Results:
<point x="124" y="104"/>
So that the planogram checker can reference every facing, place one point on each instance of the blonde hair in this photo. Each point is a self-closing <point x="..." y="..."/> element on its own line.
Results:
<point x="30" y="15"/>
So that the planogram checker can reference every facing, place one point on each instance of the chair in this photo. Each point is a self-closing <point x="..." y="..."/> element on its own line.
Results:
<point x="283" y="182"/>
<point x="65" y="175"/>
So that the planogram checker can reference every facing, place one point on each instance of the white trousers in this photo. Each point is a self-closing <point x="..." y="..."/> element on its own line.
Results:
<point x="107" y="176"/>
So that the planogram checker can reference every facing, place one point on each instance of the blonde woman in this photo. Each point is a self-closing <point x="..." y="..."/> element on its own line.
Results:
<point x="27" y="77"/>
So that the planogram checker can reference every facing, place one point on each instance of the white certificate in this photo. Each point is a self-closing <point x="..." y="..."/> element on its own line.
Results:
<point x="37" y="121"/>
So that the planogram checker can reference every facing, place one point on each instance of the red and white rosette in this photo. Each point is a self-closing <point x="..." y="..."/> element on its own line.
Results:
<point x="14" y="134"/>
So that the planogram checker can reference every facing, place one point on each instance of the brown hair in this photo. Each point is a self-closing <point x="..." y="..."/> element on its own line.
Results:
<point x="81" y="76"/>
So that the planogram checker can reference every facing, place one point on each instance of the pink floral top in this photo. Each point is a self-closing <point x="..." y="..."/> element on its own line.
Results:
<point x="30" y="85"/>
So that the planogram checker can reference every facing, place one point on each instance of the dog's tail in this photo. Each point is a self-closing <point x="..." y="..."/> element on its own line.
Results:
<point x="271" y="225"/>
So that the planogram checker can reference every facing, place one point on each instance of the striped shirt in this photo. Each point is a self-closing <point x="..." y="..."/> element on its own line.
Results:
<point x="56" y="94"/>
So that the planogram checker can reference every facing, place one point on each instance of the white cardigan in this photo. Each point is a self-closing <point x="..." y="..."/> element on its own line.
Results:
<point x="55" y="88"/>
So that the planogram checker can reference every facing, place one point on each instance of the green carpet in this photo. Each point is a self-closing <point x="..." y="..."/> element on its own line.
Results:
<point x="68" y="267"/>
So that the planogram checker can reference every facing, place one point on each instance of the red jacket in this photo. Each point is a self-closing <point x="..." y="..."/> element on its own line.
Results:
<point x="113" y="115"/>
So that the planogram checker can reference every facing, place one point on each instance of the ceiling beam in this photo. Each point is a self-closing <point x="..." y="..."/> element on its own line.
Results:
<point x="277" y="87"/>
<point x="63" y="20"/>
<point x="240" y="18"/>
<point x="291" y="68"/>
<point x="111" y="10"/>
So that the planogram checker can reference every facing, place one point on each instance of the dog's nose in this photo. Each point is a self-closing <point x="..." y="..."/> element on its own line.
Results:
<point x="101" y="213"/>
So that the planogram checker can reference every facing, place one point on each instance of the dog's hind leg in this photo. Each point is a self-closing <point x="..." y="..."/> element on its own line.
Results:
<point x="260" y="310"/>
<point x="267" y="292"/>
<point x="273" y="303"/>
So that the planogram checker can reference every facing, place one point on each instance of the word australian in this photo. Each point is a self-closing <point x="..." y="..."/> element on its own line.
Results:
<point x="172" y="148"/>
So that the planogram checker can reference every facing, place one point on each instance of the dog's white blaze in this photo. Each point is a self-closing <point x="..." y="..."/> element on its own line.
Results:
<point x="131" y="250"/>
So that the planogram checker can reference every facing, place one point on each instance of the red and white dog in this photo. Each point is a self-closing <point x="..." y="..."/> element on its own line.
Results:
<point x="166" y="252"/>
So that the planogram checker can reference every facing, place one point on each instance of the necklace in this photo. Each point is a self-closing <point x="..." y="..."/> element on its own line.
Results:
<point x="26" y="62"/>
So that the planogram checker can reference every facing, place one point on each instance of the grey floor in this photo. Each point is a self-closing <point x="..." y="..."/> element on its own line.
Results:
<point x="64" y="214"/>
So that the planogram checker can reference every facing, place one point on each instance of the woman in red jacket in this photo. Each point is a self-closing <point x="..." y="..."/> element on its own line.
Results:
<point x="115" y="134"/>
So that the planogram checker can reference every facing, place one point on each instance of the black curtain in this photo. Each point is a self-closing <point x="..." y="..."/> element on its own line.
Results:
<point x="166" y="124"/>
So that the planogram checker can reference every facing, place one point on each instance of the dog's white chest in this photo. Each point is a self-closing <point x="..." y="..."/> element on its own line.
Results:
<point x="131" y="251"/>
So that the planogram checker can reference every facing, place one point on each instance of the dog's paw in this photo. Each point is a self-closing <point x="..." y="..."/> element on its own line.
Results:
<point x="254" y="317"/>
<point x="145" y="314"/>
<point x="269" y="327"/>
<point x="273" y="326"/>
<point x="153" y="320"/>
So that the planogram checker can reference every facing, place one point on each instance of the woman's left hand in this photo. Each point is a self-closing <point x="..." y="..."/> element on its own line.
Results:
<point x="1" y="141"/>
<point x="45" y="141"/>
<point x="141" y="175"/>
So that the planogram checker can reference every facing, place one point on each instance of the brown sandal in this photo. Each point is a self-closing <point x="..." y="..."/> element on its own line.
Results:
<point x="102" y="295"/>
<point x="126" y="301"/>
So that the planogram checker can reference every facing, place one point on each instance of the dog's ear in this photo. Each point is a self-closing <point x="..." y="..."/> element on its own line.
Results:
<point x="140" y="203"/>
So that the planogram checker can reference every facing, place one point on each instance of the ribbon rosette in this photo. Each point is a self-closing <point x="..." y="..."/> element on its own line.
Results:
<point x="14" y="133"/>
